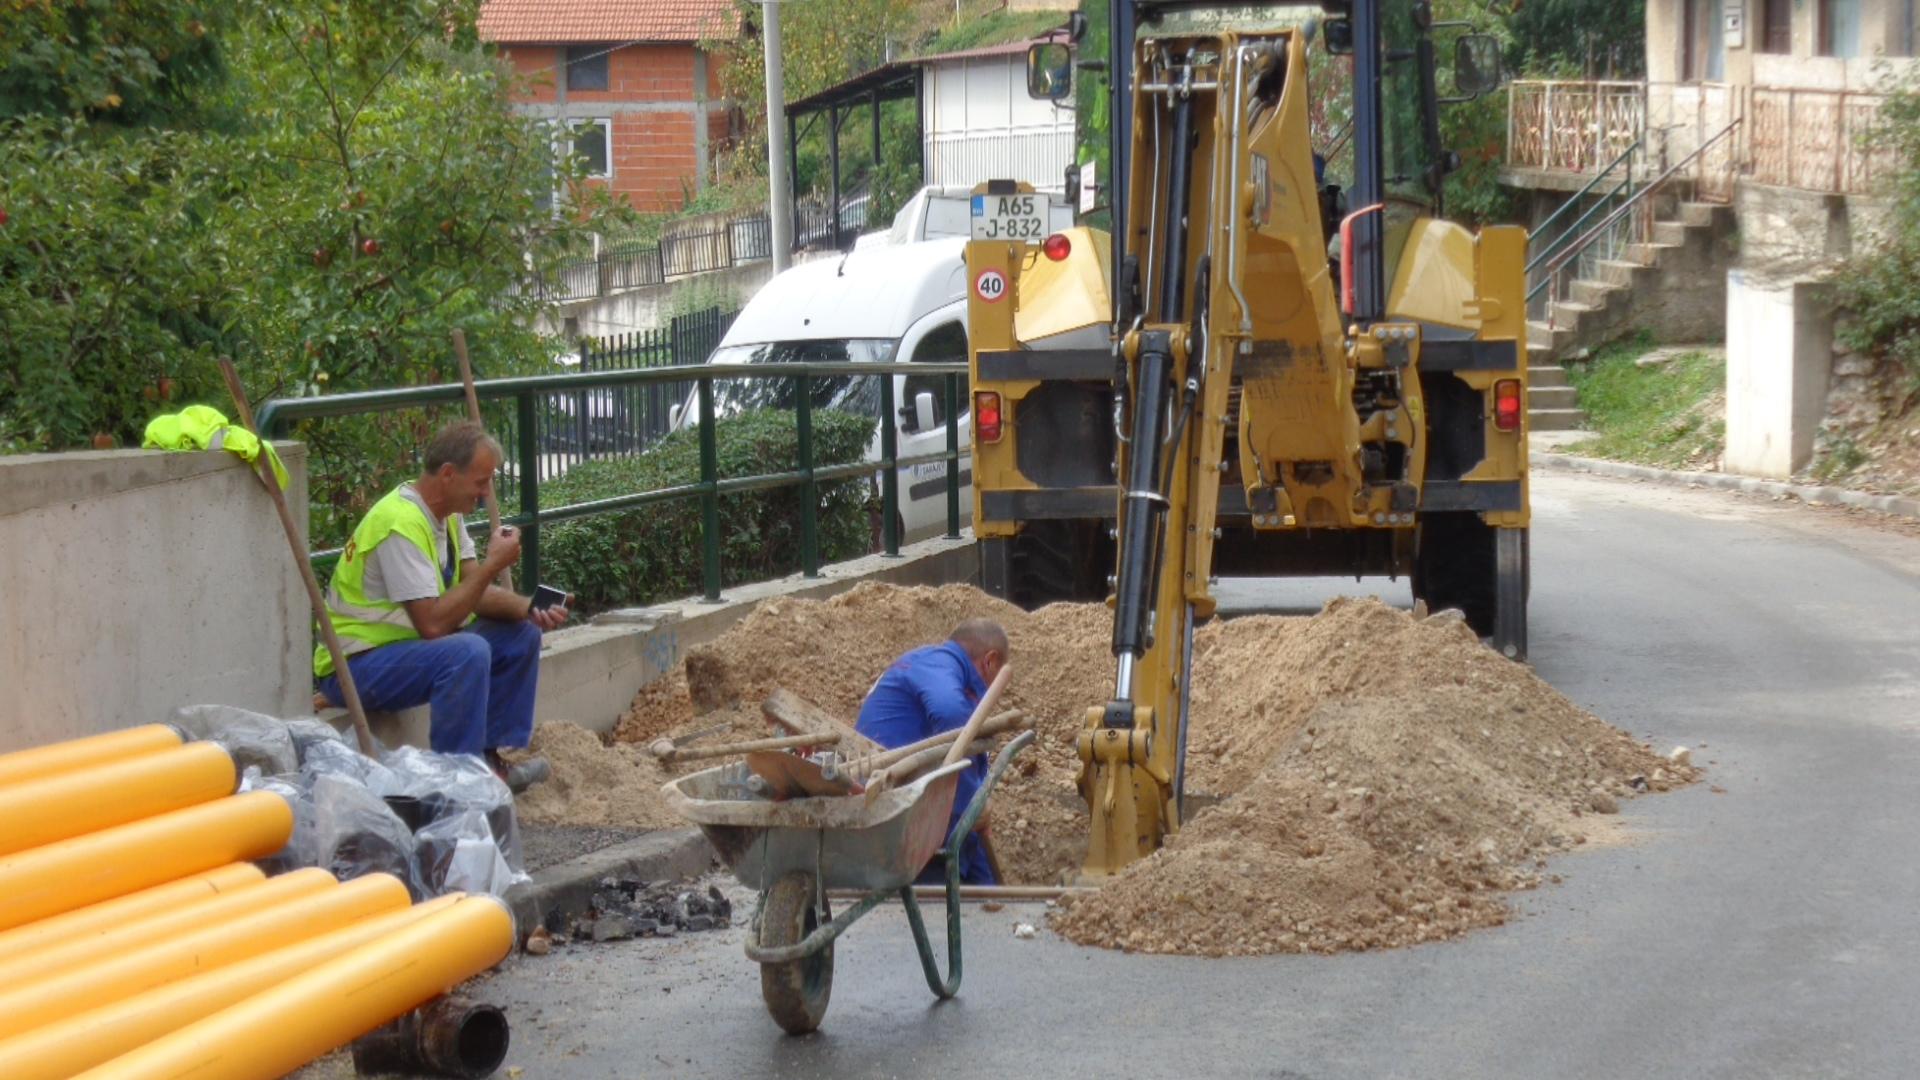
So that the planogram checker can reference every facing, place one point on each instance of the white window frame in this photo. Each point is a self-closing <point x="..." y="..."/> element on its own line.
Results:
<point x="573" y="128"/>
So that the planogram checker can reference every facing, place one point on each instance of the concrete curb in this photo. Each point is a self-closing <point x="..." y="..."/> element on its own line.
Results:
<point x="565" y="890"/>
<point x="1821" y="495"/>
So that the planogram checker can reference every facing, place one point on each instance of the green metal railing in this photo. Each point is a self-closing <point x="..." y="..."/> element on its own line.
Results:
<point x="276" y="417"/>
<point x="1555" y="243"/>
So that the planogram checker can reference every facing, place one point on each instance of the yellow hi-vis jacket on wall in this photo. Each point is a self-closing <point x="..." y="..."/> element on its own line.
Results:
<point x="198" y="427"/>
<point x="364" y="622"/>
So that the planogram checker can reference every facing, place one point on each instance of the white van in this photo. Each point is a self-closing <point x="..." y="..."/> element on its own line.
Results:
<point x="872" y="305"/>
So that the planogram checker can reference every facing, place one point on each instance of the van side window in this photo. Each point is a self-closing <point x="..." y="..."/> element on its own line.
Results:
<point x="942" y="345"/>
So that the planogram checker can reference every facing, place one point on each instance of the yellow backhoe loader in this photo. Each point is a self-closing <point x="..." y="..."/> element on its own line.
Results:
<point x="1281" y="361"/>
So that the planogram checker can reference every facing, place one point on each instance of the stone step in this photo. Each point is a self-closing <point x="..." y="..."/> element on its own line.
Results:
<point x="1670" y="232"/>
<point x="1700" y="215"/>
<point x="1650" y="253"/>
<point x="1551" y="397"/>
<point x="1593" y="293"/>
<point x="1569" y="312"/>
<point x="1546" y="377"/>
<point x="1556" y="419"/>
<point x="1620" y="271"/>
<point x="1550" y="338"/>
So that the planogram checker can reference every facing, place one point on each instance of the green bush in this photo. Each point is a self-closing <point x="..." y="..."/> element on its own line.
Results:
<point x="652" y="553"/>
<point x="1879" y="284"/>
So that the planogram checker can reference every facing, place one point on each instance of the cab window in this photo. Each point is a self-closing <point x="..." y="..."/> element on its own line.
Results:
<point x="946" y="344"/>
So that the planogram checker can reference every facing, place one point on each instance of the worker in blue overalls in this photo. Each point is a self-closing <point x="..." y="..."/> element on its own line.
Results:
<point x="934" y="689"/>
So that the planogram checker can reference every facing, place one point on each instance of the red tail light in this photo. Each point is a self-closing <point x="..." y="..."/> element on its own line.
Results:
<point x="986" y="416"/>
<point x="1057" y="247"/>
<point x="1507" y="405"/>
<point x="1346" y="254"/>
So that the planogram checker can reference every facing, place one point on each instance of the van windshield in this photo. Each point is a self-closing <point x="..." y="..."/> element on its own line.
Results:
<point x="848" y="393"/>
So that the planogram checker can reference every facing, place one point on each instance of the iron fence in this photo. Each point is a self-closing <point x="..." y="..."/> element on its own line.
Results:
<point x="522" y="472"/>
<point x="731" y="242"/>
<point x="610" y="422"/>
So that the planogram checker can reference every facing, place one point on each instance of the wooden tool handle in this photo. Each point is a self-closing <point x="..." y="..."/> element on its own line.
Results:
<point x="473" y="413"/>
<point x="264" y="465"/>
<point x="972" y="730"/>
<point x="785" y="742"/>
<point x="1012" y="719"/>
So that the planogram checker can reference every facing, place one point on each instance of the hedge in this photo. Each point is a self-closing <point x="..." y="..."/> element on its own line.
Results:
<point x="652" y="553"/>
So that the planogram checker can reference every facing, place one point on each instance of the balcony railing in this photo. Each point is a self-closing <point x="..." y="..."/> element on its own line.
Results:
<point x="1789" y="137"/>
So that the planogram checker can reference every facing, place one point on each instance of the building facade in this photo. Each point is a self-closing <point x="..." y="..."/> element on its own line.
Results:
<point x="1720" y="193"/>
<point x="630" y="87"/>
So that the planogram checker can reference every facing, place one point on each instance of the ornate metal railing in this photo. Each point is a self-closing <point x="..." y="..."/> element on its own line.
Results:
<point x="1789" y="137"/>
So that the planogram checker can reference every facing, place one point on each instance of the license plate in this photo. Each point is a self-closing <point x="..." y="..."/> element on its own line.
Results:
<point x="1010" y="217"/>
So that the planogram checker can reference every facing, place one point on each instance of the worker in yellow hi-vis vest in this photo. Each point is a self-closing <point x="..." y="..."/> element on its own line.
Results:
<point x="422" y="621"/>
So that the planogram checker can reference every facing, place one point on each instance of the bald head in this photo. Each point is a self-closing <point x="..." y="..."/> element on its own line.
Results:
<point x="986" y="642"/>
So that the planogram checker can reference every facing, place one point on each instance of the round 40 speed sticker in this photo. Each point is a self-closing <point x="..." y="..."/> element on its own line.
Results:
<point x="990" y="286"/>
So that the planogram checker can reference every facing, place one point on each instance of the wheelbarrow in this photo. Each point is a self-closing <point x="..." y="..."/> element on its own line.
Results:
<point x="793" y="852"/>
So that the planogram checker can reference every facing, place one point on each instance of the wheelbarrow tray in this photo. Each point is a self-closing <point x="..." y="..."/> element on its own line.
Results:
<point x="849" y="842"/>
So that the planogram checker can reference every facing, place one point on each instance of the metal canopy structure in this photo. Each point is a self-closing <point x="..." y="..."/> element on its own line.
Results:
<point x="889" y="82"/>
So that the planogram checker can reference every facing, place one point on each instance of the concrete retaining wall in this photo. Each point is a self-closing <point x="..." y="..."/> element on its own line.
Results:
<point x="136" y="581"/>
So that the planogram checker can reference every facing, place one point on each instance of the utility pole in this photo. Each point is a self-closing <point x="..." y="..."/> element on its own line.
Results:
<point x="780" y="203"/>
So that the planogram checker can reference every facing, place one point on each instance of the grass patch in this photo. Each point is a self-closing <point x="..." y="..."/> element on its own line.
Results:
<point x="999" y="28"/>
<point x="1671" y="414"/>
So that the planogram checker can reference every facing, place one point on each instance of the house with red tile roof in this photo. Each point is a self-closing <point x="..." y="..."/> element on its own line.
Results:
<point x="630" y="83"/>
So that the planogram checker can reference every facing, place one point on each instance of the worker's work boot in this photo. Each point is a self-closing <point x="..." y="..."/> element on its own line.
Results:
<point x="520" y="775"/>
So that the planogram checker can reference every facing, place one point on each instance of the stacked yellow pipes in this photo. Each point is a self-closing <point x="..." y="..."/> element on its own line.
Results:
<point x="137" y="941"/>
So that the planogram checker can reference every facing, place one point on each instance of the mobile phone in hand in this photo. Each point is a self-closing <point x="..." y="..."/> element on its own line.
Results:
<point x="546" y="596"/>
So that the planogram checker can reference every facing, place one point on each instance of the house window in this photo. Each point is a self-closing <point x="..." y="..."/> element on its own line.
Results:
<point x="1776" y="27"/>
<point x="587" y="67"/>
<point x="592" y="142"/>
<point x="1840" y="28"/>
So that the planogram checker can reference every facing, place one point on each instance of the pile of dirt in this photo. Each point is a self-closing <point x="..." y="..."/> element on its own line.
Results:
<point x="1372" y="778"/>
<point x="594" y="784"/>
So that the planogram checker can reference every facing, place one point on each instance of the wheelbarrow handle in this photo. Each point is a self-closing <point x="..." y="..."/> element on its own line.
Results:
<point x="948" y="986"/>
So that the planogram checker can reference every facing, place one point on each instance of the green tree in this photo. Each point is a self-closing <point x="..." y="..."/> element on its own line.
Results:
<point x="1594" y="38"/>
<point x="1881" y="286"/>
<point x="322" y="189"/>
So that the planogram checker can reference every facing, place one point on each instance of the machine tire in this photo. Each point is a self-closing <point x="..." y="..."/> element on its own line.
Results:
<point x="1052" y="561"/>
<point x="796" y="991"/>
<point x="1453" y="567"/>
<point x="1462" y="562"/>
<point x="1513" y="581"/>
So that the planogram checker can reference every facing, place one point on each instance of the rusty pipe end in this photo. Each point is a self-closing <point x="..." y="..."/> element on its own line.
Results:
<point x="449" y="1036"/>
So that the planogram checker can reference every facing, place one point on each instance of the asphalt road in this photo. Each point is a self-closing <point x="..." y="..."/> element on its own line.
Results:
<point x="1770" y="931"/>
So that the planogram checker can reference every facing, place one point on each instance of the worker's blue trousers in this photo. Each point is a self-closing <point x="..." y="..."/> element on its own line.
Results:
<point x="479" y="682"/>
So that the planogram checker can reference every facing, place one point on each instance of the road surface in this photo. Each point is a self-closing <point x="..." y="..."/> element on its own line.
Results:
<point x="1770" y="931"/>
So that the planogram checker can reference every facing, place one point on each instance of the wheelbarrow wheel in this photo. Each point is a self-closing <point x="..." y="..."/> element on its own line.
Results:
<point x="796" y="991"/>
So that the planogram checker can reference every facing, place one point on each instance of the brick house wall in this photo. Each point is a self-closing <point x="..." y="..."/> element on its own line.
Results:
<point x="663" y="107"/>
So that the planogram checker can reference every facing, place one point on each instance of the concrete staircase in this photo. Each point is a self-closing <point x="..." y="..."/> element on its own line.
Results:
<point x="1675" y="287"/>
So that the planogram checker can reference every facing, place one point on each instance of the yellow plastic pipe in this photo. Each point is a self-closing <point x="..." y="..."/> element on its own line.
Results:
<point x="215" y="911"/>
<point x="49" y="808"/>
<point x="85" y="1039"/>
<point x="93" y="750"/>
<point x="69" y="874"/>
<point x="277" y="1031"/>
<point x="61" y="994"/>
<point x="110" y="913"/>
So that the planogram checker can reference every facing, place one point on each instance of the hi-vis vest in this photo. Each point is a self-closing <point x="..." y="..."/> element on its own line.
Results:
<point x="364" y="622"/>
